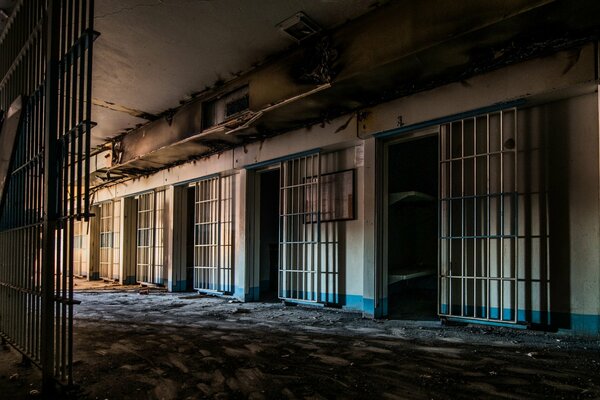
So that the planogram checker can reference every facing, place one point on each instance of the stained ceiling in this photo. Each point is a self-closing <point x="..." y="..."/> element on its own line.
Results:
<point x="152" y="55"/>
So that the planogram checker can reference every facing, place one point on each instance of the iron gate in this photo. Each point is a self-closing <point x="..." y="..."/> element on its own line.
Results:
<point x="150" y="238"/>
<point x="213" y="234"/>
<point x="478" y="245"/>
<point x="46" y="60"/>
<point x="80" y="248"/>
<point x="300" y="229"/>
<point x="110" y="220"/>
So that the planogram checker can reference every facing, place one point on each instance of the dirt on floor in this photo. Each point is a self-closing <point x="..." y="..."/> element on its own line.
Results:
<point x="148" y="344"/>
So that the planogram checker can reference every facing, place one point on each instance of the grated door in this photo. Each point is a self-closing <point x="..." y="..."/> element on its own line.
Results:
<point x="109" y="239"/>
<point x="46" y="54"/>
<point x="478" y="249"/>
<point x="213" y="234"/>
<point x="150" y="238"/>
<point x="300" y="229"/>
<point x="80" y="248"/>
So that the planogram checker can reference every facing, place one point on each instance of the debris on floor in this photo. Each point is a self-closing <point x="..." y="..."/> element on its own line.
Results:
<point x="177" y="346"/>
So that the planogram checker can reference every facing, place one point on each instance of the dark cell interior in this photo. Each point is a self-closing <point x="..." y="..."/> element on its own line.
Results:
<point x="269" y="234"/>
<point x="189" y="281"/>
<point x="412" y="229"/>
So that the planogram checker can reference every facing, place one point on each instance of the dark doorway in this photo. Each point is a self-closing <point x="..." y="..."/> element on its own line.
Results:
<point x="412" y="229"/>
<point x="189" y="265"/>
<point x="269" y="234"/>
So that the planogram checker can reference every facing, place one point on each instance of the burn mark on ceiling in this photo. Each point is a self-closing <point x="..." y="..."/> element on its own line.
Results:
<point x="127" y="110"/>
<point x="318" y="67"/>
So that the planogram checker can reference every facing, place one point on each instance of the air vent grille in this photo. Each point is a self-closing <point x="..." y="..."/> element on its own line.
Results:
<point x="299" y="27"/>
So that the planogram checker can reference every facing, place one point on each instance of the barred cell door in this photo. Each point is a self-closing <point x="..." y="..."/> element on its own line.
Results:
<point x="46" y="55"/>
<point x="106" y="240"/>
<point x="213" y="234"/>
<point x="80" y="248"/>
<point x="150" y="238"/>
<point x="300" y="229"/>
<point x="478" y="246"/>
<point x="110" y="216"/>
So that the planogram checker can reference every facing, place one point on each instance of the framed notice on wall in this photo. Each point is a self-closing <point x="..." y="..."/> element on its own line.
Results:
<point x="337" y="197"/>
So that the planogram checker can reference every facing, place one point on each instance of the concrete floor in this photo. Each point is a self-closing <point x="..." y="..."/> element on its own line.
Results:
<point x="184" y="346"/>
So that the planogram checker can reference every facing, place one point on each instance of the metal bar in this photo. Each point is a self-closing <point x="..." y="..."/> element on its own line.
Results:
<point x="50" y="207"/>
<point x="441" y="175"/>
<point x="516" y="216"/>
<point x="279" y="234"/>
<point x="479" y="237"/>
<point x="218" y="269"/>
<point x="501" y="305"/>
<point x="88" y="106"/>
<point x="319" y="238"/>
<point x="475" y="217"/>
<point x="462" y="217"/>
<point x="493" y="153"/>
<point x="303" y="212"/>
<point x="488" y="258"/>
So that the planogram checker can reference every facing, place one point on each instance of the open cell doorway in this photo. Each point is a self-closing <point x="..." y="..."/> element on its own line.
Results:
<point x="269" y="233"/>
<point x="412" y="228"/>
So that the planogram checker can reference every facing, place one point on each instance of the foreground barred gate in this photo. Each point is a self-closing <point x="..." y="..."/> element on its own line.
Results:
<point x="45" y="107"/>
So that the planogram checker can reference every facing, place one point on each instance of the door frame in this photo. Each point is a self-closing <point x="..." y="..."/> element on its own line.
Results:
<point x="383" y="202"/>
<point x="254" y="219"/>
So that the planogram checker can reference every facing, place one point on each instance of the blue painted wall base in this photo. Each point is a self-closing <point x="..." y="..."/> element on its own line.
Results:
<point x="586" y="324"/>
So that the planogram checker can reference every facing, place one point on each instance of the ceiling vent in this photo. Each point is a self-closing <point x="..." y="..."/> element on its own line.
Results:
<point x="299" y="27"/>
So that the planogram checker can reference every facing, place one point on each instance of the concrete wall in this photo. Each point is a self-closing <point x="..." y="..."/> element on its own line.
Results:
<point x="574" y="213"/>
<point x="559" y="214"/>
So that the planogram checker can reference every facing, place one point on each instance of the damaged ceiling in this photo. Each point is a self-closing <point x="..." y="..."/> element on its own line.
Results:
<point x="153" y="55"/>
<point x="375" y="58"/>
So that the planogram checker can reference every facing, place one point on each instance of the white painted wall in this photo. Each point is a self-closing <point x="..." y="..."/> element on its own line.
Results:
<point x="572" y="128"/>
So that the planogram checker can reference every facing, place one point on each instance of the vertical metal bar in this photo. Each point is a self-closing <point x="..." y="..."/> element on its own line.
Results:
<point x="475" y="234"/>
<point x="75" y="113"/>
<point x="219" y="232"/>
<point x="318" y="211"/>
<point x="462" y="218"/>
<point x="298" y="277"/>
<point x="50" y="206"/>
<point x="62" y="187"/>
<point x="88" y="103"/>
<point x="440" y="216"/>
<point x="195" y="235"/>
<point x="501" y="211"/>
<point x="516" y="227"/>
<point x="450" y="225"/>
<point x="280" y="233"/>
<point x="488" y="233"/>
